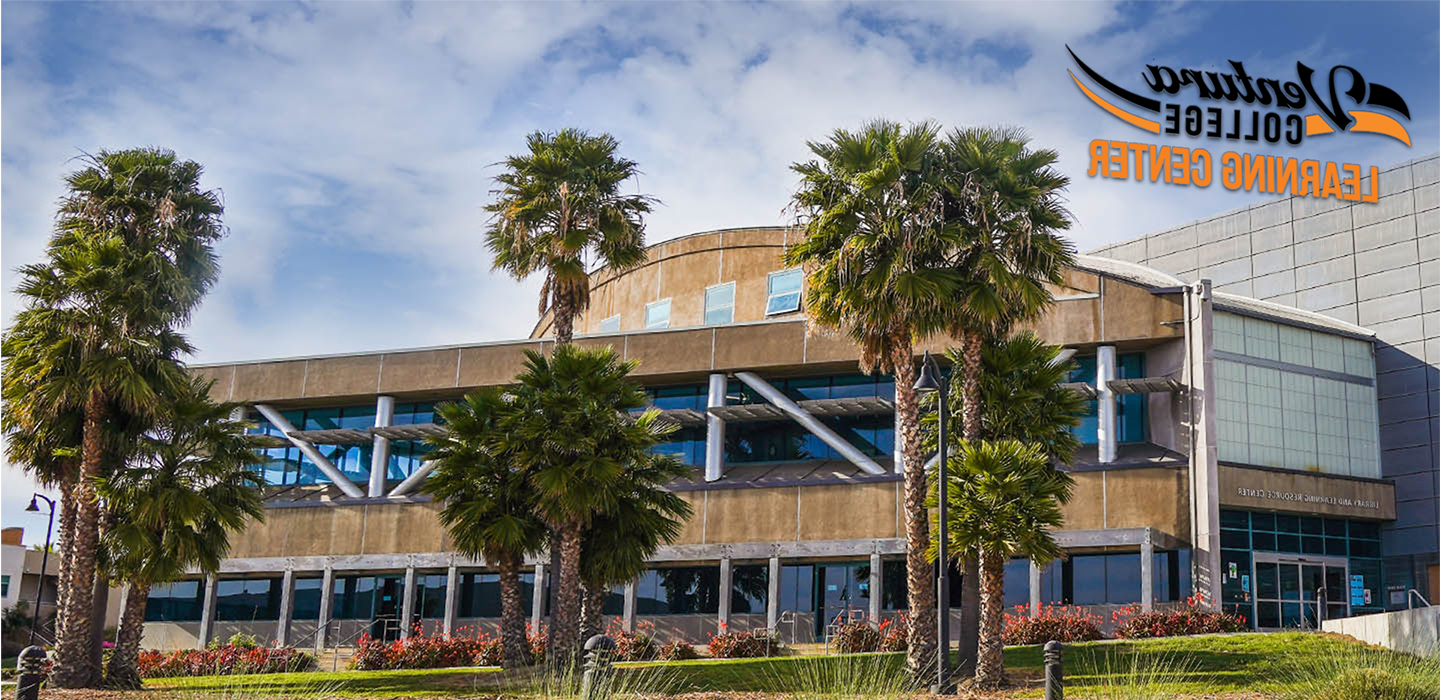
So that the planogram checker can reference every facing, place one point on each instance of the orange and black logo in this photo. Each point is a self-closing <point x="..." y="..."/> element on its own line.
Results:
<point x="1251" y="122"/>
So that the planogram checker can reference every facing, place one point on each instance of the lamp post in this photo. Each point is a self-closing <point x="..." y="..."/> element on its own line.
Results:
<point x="44" y="558"/>
<point x="931" y="379"/>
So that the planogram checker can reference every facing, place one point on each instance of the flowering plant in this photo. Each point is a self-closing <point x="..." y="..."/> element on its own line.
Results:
<point x="1058" y="623"/>
<point x="222" y="661"/>
<point x="1194" y="618"/>
<point x="855" y="637"/>
<point x="421" y="651"/>
<point x="637" y="645"/>
<point x="741" y="645"/>
<point x="895" y="634"/>
<point x="677" y="651"/>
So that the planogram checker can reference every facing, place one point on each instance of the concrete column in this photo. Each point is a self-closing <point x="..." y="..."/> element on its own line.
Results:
<point x="772" y="595"/>
<point x="727" y="579"/>
<point x="715" y="429"/>
<point x="407" y="602"/>
<point x="537" y="599"/>
<point x="1105" y="398"/>
<point x="1204" y="451"/>
<point x="207" y="611"/>
<point x="1034" y="589"/>
<point x="877" y="587"/>
<point x="380" y="452"/>
<point x="287" y="608"/>
<point x="327" y="588"/>
<point x="631" y="598"/>
<point x="1147" y="573"/>
<point x="452" y="598"/>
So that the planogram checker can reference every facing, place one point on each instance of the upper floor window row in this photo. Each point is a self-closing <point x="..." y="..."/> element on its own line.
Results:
<point x="782" y="296"/>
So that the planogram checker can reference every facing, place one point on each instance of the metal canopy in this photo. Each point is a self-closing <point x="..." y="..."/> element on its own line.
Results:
<point x="747" y="412"/>
<point x="419" y="431"/>
<point x="267" y="440"/>
<point x="1145" y="385"/>
<point x="853" y="406"/>
<point x="1084" y="390"/>
<point x="683" y="416"/>
<point x="334" y="436"/>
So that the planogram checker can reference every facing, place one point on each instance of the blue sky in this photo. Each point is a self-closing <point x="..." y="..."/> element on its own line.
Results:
<point x="354" y="141"/>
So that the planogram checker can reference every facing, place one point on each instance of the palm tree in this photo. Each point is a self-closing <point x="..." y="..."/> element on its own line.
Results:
<point x="130" y="257"/>
<point x="618" y="543"/>
<point x="1004" y="499"/>
<point x="1006" y="198"/>
<point x="879" y="269"/>
<point x="489" y="510"/>
<point x="570" y="434"/>
<point x="175" y="505"/>
<point x="1021" y="397"/>
<point x="557" y="205"/>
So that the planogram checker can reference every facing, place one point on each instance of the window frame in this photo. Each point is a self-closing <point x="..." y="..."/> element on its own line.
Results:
<point x="705" y="312"/>
<point x="657" y="304"/>
<point x="770" y="293"/>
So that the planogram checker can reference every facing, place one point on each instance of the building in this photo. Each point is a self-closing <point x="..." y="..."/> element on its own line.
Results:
<point x="796" y="488"/>
<point x="1377" y="265"/>
<point x="22" y="578"/>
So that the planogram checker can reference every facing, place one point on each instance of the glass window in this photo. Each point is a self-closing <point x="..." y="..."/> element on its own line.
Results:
<point x="720" y="303"/>
<point x="174" y="602"/>
<point x="610" y="325"/>
<point x="895" y="591"/>
<point x="749" y="587"/>
<point x="782" y="292"/>
<point x="244" y="600"/>
<point x="5" y="585"/>
<point x="684" y="590"/>
<point x="797" y="587"/>
<point x="307" y="598"/>
<point x="430" y="598"/>
<point x="480" y="594"/>
<point x="657" y="314"/>
<point x="1017" y="582"/>
<point x="1087" y="580"/>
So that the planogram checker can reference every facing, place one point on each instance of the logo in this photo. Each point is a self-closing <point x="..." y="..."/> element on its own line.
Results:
<point x="1239" y="108"/>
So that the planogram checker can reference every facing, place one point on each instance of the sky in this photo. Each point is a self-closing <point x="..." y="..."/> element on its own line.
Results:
<point x="355" y="143"/>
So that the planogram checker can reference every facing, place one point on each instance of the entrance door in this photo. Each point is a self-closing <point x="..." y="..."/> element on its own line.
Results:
<point x="844" y="594"/>
<point x="1291" y="591"/>
<point x="385" y="625"/>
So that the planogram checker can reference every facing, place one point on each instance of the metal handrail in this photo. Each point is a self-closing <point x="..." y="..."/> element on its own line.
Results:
<point x="1410" y="597"/>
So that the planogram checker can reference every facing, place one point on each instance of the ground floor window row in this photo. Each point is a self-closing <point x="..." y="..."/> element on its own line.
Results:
<point x="826" y="589"/>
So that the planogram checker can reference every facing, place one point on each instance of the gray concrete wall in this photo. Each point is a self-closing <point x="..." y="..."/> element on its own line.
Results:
<point x="1414" y="631"/>
<point x="1374" y="264"/>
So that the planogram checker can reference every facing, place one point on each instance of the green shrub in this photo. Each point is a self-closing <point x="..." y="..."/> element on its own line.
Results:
<point x="678" y="651"/>
<point x="856" y="638"/>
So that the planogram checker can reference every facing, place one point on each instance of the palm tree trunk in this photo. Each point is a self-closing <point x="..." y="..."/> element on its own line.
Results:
<point x="919" y="572"/>
<point x="990" y="669"/>
<point x="123" y="671"/>
<point x="63" y="547"/>
<point x="592" y="611"/>
<point x="970" y="581"/>
<point x="565" y="618"/>
<point x="514" y="647"/>
<point x="73" y="668"/>
<point x="564" y="312"/>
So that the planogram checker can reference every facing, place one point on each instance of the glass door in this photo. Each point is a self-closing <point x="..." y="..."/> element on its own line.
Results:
<point x="844" y="594"/>
<point x="385" y="625"/>
<point x="1291" y="591"/>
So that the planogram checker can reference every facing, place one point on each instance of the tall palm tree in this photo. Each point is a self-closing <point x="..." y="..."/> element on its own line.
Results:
<point x="1004" y="499"/>
<point x="560" y="203"/>
<point x="174" y="507"/>
<point x="1021" y="397"/>
<point x="489" y="509"/>
<point x="1007" y="199"/>
<point x="618" y="543"/>
<point x="130" y="258"/>
<point x="879" y="270"/>
<point x="572" y="437"/>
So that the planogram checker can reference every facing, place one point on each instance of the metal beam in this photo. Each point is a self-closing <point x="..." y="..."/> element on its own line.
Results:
<point x="336" y="476"/>
<point x="715" y="429"/>
<point x="380" y="451"/>
<point x="1105" y="424"/>
<point x="810" y="422"/>
<point x="414" y="479"/>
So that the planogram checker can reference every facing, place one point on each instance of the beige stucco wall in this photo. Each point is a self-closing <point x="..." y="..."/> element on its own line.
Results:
<point x="1301" y="492"/>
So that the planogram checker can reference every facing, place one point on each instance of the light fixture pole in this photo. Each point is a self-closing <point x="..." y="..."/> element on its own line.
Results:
<point x="931" y="379"/>
<point x="44" y="559"/>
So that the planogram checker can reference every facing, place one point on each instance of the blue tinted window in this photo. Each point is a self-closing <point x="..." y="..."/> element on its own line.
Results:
<point x="783" y="292"/>
<point x="1130" y="409"/>
<point x="749" y="586"/>
<point x="174" y="602"/>
<point x="797" y="587"/>
<point x="307" y="598"/>
<point x="247" y="599"/>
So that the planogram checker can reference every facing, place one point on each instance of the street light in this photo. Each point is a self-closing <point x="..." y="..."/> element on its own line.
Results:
<point x="930" y="380"/>
<point x="44" y="558"/>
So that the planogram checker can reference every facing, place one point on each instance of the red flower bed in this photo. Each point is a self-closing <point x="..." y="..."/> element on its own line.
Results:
<point x="895" y="634"/>
<point x="1192" y="619"/>
<point x="222" y="661"/>
<point x="678" y="651"/>
<point x="742" y="645"/>
<point x="638" y="645"/>
<point x="856" y="638"/>
<point x="420" y="651"/>
<point x="1062" y="624"/>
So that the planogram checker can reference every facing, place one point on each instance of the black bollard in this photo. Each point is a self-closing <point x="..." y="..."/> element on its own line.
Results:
<point x="597" y="666"/>
<point x="32" y="664"/>
<point x="1054" y="671"/>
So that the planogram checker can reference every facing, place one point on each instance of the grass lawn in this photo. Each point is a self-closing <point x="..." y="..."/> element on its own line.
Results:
<point x="1191" y="665"/>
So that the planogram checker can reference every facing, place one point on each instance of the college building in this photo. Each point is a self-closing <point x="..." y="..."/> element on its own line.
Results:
<point x="1233" y="448"/>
